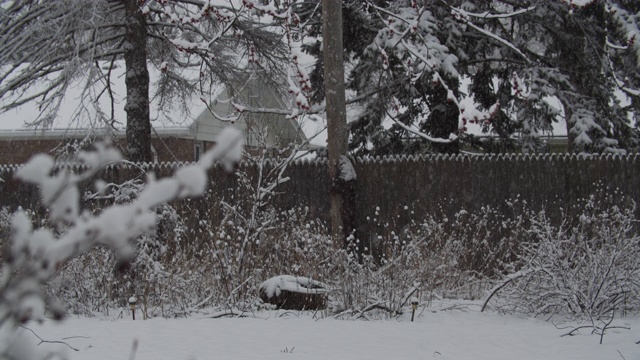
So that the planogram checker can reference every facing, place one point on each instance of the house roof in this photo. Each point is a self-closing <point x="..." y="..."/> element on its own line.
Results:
<point x="30" y="134"/>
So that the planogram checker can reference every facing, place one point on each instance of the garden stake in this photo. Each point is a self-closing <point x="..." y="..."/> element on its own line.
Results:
<point x="414" y="306"/>
<point x="132" y="306"/>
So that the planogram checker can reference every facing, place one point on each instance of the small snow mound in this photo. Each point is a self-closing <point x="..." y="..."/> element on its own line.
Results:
<point x="298" y="284"/>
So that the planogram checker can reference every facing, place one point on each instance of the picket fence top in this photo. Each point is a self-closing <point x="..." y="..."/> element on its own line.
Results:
<point x="387" y="159"/>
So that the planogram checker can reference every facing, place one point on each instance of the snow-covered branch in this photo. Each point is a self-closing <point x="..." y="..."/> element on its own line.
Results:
<point x="463" y="16"/>
<point x="419" y="133"/>
<point x="38" y="253"/>
<point x="491" y="15"/>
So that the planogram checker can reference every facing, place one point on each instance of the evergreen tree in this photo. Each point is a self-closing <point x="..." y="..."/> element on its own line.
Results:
<point x="570" y="59"/>
<point x="408" y="58"/>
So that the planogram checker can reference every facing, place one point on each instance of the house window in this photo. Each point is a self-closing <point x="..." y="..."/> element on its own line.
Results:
<point x="198" y="150"/>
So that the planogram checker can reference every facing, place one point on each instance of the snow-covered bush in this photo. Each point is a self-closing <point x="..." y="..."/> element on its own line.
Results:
<point x="90" y="282"/>
<point x="362" y="288"/>
<point x="586" y="266"/>
<point x="294" y="245"/>
<point x="474" y="247"/>
<point x="37" y="253"/>
<point x="586" y="269"/>
<point x="216" y="253"/>
<point x="247" y="240"/>
<point x="452" y="257"/>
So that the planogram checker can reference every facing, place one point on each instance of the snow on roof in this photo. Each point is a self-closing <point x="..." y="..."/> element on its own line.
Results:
<point x="83" y="132"/>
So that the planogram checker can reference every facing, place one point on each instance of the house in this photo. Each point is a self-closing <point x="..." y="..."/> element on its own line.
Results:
<point x="262" y="130"/>
<point x="185" y="142"/>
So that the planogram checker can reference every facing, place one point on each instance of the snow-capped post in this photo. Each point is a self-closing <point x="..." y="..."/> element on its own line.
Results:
<point x="342" y="209"/>
<point x="132" y="305"/>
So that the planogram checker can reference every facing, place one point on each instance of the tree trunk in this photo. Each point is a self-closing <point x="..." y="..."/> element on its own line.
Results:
<point x="137" y="82"/>
<point x="341" y="207"/>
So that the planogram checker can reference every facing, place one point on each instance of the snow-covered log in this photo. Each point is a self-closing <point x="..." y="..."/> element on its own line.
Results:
<point x="294" y="292"/>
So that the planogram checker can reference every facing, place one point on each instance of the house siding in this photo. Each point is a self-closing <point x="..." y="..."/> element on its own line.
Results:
<point x="167" y="148"/>
<point x="171" y="149"/>
<point x="281" y="132"/>
<point x="20" y="151"/>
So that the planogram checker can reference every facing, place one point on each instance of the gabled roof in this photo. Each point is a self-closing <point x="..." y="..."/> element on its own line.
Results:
<point x="255" y="93"/>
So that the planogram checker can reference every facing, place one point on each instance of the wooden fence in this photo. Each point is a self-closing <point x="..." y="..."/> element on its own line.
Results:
<point x="397" y="189"/>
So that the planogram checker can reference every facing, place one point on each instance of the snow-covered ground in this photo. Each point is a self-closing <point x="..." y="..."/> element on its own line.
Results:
<point x="461" y="333"/>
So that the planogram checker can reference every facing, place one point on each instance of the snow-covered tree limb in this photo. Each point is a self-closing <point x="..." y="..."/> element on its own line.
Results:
<point x="36" y="254"/>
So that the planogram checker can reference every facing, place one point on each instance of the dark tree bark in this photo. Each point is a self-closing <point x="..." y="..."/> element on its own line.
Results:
<point x="137" y="81"/>
<point x="341" y="207"/>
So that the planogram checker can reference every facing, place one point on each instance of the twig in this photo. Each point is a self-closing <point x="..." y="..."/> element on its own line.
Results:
<point x="346" y="312"/>
<point x="231" y="312"/>
<point x="570" y="333"/>
<point x="504" y="283"/>
<point x="48" y="341"/>
<point x="560" y="327"/>
<point x="233" y="292"/>
<point x="619" y="327"/>
<point x="604" y="328"/>
<point x="76" y="337"/>
<point x="408" y="295"/>
<point x="223" y="314"/>
<point x="455" y="307"/>
<point x="201" y="303"/>
<point x="287" y="351"/>
<point x="287" y="313"/>
<point x="378" y="305"/>
<point x="315" y="313"/>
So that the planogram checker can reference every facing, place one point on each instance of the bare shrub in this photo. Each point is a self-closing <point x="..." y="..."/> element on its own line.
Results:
<point x="586" y="271"/>
<point x="90" y="282"/>
<point x="210" y="258"/>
